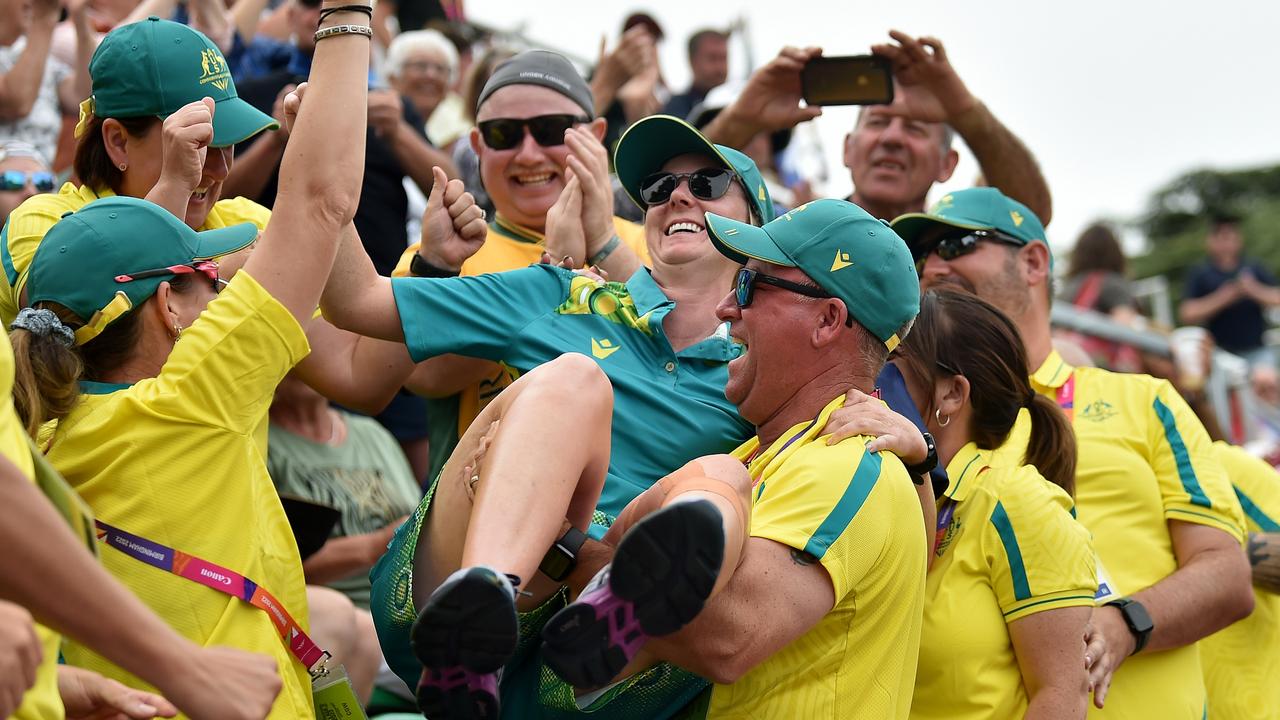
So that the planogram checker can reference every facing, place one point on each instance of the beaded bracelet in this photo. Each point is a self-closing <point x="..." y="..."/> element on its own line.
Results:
<point x="364" y="30"/>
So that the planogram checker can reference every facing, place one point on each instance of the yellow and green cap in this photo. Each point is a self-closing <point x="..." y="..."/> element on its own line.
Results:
<point x="848" y="253"/>
<point x="648" y="144"/>
<point x="85" y="260"/>
<point x="979" y="208"/>
<point x="154" y="67"/>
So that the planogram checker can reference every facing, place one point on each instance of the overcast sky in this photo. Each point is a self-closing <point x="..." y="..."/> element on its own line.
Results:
<point x="1114" y="98"/>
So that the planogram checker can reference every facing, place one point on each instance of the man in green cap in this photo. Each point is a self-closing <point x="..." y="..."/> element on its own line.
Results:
<point x="1165" y="522"/>
<point x="826" y="292"/>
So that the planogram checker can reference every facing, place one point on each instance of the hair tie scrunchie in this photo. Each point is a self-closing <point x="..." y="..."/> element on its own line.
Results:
<point x="43" y="322"/>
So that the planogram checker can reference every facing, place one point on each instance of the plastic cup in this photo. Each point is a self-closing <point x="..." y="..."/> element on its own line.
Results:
<point x="1188" y="354"/>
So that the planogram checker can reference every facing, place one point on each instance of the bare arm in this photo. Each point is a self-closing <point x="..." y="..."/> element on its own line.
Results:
<point x="20" y="87"/>
<point x="727" y="639"/>
<point x="1050" y="649"/>
<point x="1264" y="558"/>
<point x="1209" y="591"/>
<point x="253" y="168"/>
<point x="770" y="101"/>
<point x="343" y="557"/>
<point x="212" y="18"/>
<point x="246" y="14"/>
<point x="358" y="372"/>
<point x="72" y="594"/>
<point x="79" y="85"/>
<point x="932" y="91"/>
<point x="320" y="175"/>
<point x="1197" y="311"/>
<point x="446" y="375"/>
<point x="147" y="8"/>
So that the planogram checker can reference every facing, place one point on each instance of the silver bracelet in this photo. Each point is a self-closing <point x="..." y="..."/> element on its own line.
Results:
<point x="605" y="251"/>
<point x="364" y="30"/>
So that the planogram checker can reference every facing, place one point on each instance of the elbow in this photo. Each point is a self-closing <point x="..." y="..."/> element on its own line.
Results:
<point x="14" y="110"/>
<point x="722" y="660"/>
<point x="1237" y="598"/>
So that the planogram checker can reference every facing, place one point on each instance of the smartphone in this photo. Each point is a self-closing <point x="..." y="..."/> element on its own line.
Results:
<point x="849" y="80"/>
<point x="311" y="522"/>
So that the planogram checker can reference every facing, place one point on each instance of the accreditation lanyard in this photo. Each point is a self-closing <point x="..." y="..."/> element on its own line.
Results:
<point x="225" y="581"/>
<point x="1067" y="397"/>
<point x="944" y="522"/>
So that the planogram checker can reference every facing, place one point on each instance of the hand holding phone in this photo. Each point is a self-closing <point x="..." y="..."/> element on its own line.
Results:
<point x="849" y="80"/>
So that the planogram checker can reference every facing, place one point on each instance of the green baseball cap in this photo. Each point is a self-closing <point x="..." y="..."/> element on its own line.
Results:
<point x="848" y="253"/>
<point x="648" y="144"/>
<point x="85" y="259"/>
<point x="980" y="208"/>
<point x="154" y="67"/>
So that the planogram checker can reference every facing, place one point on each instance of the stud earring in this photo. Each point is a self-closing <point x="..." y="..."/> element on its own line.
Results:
<point x="124" y="166"/>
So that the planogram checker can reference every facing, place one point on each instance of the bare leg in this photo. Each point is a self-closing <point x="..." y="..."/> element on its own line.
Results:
<point x="337" y="626"/>
<point x="529" y="482"/>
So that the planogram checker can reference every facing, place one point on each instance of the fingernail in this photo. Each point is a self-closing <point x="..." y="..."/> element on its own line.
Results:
<point x="145" y="709"/>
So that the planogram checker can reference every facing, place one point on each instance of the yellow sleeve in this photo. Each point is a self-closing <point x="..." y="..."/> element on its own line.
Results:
<point x="234" y="211"/>
<point x="814" y="498"/>
<point x="402" y="267"/>
<point x="224" y="369"/>
<point x="19" y="240"/>
<point x="1040" y="558"/>
<point x="1256" y="484"/>
<point x="1193" y="485"/>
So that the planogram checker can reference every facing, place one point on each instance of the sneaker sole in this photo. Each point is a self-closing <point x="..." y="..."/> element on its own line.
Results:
<point x="462" y="637"/>
<point x="661" y="575"/>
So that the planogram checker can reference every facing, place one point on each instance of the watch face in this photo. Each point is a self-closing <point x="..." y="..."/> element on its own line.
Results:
<point x="1138" y="618"/>
<point x="555" y="564"/>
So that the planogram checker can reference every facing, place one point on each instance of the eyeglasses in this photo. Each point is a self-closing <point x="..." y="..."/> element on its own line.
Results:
<point x="744" y="286"/>
<point x="424" y="66"/>
<point x="208" y="268"/>
<point x="547" y="130"/>
<point x="962" y="243"/>
<point x="14" y="180"/>
<point x="704" y="184"/>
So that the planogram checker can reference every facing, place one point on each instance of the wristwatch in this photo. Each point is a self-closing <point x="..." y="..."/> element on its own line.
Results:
<point x="925" y="466"/>
<point x="562" y="558"/>
<point x="1137" y="618"/>
<point x="418" y="267"/>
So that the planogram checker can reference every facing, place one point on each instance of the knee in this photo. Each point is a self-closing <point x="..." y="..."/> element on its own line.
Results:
<point x="577" y="379"/>
<point x="332" y="619"/>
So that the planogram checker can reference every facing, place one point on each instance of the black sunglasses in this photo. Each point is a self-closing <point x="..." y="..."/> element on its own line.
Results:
<point x="704" y="184"/>
<point x="963" y="242"/>
<point x="547" y="130"/>
<point x="13" y="180"/>
<point x="744" y="286"/>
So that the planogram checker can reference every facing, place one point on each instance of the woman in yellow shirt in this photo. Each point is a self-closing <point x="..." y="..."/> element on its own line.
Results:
<point x="1012" y="581"/>
<point x="131" y="343"/>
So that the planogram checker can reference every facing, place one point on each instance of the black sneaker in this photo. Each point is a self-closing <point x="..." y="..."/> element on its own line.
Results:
<point x="660" y="578"/>
<point x="464" y="635"/>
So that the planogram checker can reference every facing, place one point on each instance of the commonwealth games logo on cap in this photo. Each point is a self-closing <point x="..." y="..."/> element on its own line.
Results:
<point x="214" y="69"/>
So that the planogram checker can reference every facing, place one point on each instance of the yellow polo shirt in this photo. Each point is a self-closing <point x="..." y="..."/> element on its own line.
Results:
<point x="42" y="701"/>
<point x="1242" y="661"/>
<point x="29" y="222"/>
<point x="1011" y="549"/>
<point x="173" y="459"/>
<point x="859" y="515"/>
<point x="1143" y="459"/>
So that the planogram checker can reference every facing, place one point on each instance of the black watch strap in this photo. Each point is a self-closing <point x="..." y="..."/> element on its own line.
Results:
<point x="418" y="267"/>
<point x="1137" y="618"/>
<point x="562" y="558"/>
<point x="926" y="466"/>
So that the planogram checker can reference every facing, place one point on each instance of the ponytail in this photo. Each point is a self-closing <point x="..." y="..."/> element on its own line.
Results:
<point x="46" y="376"/>
<point x="1052" y="447"/>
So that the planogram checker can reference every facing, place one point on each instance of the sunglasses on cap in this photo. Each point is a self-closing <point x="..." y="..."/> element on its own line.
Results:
<point x="704" y="184"/>
<point x="962" y="242"/>
<point x="13" y="180"/>
<point x="547" y="130"/>
<point x="208" y="268"/>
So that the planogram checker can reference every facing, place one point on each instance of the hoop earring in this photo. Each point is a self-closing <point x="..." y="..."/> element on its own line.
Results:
<point x="937" y="415"/>
<point x="177" y="332"/>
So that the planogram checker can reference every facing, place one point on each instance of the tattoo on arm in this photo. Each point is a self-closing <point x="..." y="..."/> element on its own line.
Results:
<point x="1264" y="556"/>
<point x="800" y="557"/>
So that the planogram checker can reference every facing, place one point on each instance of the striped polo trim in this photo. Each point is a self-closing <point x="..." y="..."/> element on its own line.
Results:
<point x="1017" y="569"/>
<point x="1255" y="513"/>
<point x="1186" y="473"/>
<point x="855" y="494"/>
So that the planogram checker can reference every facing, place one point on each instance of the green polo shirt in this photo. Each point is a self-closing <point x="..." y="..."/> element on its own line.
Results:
<point x="669" y="407"/>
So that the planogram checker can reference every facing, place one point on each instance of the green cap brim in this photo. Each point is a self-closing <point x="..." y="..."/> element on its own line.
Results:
<point x="913" y="227"/>
<point x="224" y="241"/>
<point x="235" y="121"/>
<point x="741" y="242"/>
<point x="637" y="154"/>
